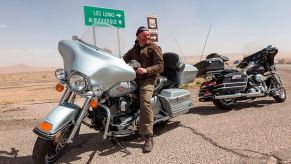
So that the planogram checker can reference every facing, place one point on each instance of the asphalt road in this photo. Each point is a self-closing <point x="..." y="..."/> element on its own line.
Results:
<point x="250" y="133"/>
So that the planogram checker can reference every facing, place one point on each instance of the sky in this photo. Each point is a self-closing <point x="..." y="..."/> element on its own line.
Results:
<point x="31" y="29"/>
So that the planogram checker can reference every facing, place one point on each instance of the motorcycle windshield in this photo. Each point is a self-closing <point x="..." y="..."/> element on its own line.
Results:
<point x="101" y="66"/>
<point x="258" y="56"/>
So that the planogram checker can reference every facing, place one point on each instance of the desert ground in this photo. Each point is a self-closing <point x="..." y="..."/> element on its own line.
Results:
<point x="254" y="132"/>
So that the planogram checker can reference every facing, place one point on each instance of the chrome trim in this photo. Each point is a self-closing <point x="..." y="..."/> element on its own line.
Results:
<point x="222" y="88"/>
<point x="66" y="96"/>
<point x="61" y="71"/>
<point x="242" y="86"/>
<point x="231" y="83"/>
<point x="107" y="120"/>
<point x="238" y="95"/>
<point x="85" y="78"/>
<point x="83" y="113"/>
<point x="214" y="72"/>
<point x="48" y="136"/>
<point x="256" y="94"/>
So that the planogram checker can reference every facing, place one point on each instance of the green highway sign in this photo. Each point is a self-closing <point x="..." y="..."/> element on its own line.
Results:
<point x="95" y="16"/>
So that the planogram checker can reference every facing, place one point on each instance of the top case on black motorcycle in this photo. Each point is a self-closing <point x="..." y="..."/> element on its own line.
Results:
<point x="212" y="64"/>
<point x="233" y="82"/>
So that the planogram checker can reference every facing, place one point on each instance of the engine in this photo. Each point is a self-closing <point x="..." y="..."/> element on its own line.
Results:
<point x="259" y="78"/>
<point x="257" y="84"/>
<point x="128" y="104"/>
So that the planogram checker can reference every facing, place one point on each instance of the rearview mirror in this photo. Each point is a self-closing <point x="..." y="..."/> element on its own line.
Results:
<point x="269" y="47"/>
<point x="75" y="37"/>
<point x="236" y="62"/>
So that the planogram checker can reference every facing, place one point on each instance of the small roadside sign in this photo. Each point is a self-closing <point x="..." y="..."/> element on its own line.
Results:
<point x="96" y="16"/>
<point x="152" y="23"/>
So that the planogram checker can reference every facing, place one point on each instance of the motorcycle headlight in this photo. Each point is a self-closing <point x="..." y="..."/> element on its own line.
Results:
<point x="97" y="91"/>
<point x="61" y="74"/>
<point x="78" y="82"/>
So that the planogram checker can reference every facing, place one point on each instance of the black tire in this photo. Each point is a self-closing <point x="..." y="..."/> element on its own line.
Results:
<point x="281" y="97"/>
<point x="225" y="104"/>
<point x="48" y="151"/>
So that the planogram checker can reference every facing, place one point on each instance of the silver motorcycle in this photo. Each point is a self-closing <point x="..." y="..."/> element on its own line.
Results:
<point x="111" y="103"/>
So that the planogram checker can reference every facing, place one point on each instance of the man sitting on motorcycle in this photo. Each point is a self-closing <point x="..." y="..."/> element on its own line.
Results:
<point x="149" y="55"/>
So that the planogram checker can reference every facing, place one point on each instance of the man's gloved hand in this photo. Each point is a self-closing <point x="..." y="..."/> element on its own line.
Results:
<point x="134" y="64"/>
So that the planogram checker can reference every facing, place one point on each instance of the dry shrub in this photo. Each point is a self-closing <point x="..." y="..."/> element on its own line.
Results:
<point x="195" y="84"/>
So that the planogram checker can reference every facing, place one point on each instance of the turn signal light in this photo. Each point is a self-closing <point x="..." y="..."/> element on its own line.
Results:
<point x="59" y="87"/>
<point x="45" y="126"/>
<point x="94" y="103"/>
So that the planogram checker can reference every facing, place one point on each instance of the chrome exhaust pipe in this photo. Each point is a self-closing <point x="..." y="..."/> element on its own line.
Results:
<point x="238" y="95"/>
<point x="256" y="94"/>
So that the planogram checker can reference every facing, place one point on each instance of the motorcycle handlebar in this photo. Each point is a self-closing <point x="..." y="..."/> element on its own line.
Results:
<point x="272" y="50"/>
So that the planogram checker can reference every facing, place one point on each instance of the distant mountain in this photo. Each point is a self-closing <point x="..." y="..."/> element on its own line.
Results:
<point x="23" y="68"/>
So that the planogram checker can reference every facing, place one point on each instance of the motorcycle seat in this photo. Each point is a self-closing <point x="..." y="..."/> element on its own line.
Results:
<point x="215" y="55"/>
<point x="172" y="65"/>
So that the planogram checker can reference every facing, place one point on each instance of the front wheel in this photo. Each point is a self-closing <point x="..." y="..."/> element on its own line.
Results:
<point x="281" y="97"/>
<point x="48" y="151"/>
<point x="225" y="104"/>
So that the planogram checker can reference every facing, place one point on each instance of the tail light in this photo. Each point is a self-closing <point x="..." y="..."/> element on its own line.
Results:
<point x="213" y="83"/>
<point x="206" y="83"/>
<point x="207" y="92"/>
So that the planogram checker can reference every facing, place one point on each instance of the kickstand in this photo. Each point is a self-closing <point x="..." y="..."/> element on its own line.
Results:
<point x="122" y="147"/>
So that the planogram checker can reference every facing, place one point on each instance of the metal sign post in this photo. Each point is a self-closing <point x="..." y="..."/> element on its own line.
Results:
<point x="118" y="42"/>
<point x="94" y="36"/>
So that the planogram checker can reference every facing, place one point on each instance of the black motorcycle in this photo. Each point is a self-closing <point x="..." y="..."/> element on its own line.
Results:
<point x="255" y="76"/>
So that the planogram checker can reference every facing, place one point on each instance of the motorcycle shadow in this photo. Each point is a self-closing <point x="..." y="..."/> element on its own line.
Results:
<point x="253" y="104"/>
<point x="12" y="157"/>
<point x="92" y="144"/>
<point x="206" y="110"/>
<point x="212" y="109"/>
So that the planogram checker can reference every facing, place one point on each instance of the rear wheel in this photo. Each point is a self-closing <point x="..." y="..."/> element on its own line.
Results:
<point x="48" y="151"/>
<point x="281" y="97"/>
<point x="225" y="104"/>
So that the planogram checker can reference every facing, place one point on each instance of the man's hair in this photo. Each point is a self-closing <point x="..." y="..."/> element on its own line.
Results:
<point x="140" y="30"/>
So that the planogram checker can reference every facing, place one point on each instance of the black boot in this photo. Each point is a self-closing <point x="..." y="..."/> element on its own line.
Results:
<point x="148" y="144"/>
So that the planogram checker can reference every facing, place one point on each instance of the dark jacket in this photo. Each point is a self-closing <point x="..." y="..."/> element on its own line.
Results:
<point x="150" y="57"/>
